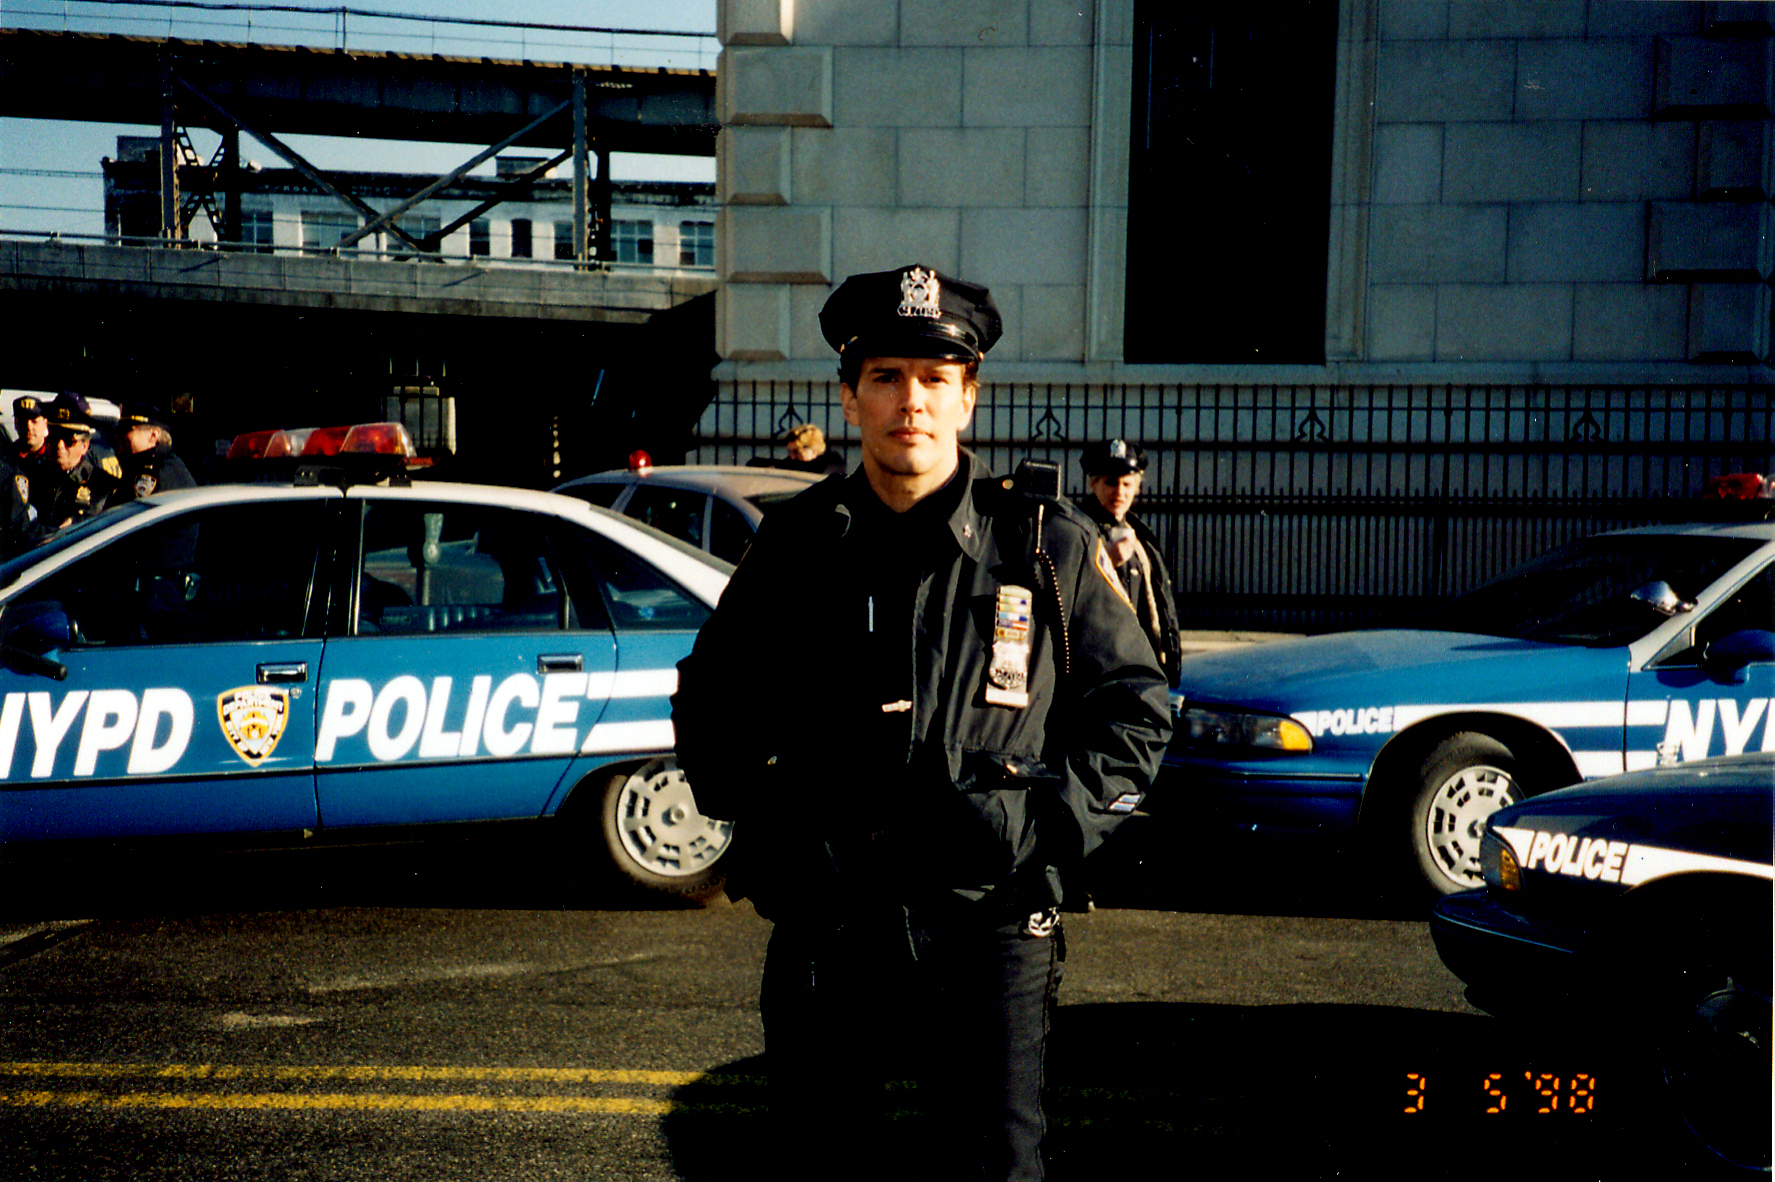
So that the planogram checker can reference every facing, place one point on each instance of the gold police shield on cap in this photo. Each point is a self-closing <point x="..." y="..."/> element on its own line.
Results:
<point x="1008" y="675"/>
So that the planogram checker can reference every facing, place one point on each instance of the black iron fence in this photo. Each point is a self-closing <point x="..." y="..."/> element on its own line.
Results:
<point x="1314" y="508"/>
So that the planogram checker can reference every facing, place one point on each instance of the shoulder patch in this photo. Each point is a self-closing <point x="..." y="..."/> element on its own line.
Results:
<point x="112" y="467"/>
<point x="1106" y="568"/>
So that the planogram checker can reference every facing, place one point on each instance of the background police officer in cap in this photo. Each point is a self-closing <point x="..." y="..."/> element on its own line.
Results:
<point x="84" y="479"/>
<point x="30" y="432"/>
<point x="914" y="809"/>
<point x="150" y="464"/>
<point x="1115" y="470"/>
<point x="21" y="525"/>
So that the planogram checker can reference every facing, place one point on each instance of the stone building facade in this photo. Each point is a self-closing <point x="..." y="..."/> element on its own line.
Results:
<point x="1324" y="260"/>
<point x="1555" y="187"/>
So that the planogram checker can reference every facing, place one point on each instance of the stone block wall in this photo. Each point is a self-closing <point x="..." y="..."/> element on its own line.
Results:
<point x="862" y="136"/>
<point x="1571" y="181"/>
<point x="1533" y="187"/>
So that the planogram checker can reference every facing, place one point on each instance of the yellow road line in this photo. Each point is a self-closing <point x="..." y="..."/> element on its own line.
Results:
<point x="360" y="1101"/>
<point x="369" y="1072"/>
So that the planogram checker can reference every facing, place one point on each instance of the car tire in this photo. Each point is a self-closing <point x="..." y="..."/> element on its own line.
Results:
<point x="1711" y="1021"/>
<point x="655" y="836"/>
<point x="1463" y="780"/>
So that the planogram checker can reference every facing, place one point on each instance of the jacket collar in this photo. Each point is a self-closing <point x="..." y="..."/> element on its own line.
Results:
<point x="967" y="523"/>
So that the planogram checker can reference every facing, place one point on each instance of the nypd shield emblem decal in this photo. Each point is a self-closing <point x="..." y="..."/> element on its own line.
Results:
<point x="252" y="718"/>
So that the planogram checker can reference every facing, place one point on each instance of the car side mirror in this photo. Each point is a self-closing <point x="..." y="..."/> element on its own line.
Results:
<point x="1728" y="658"/>
<point x="37" y="627"/>
<point x="32" y="629"/>
<point x="1662" y="598"/>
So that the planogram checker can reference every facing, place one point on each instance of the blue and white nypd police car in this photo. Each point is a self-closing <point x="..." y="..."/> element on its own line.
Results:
<point x="354" y="659"/>
<point x="1600" y="657"/>
<point x="1646" y="900"/>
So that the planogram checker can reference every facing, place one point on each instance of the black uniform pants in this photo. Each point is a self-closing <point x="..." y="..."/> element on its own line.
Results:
<point x="909" y="1049"/>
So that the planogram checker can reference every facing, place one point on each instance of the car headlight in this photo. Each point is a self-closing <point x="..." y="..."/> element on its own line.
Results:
<point x="1213" y="726"/>
<point x="1497" y="861"/>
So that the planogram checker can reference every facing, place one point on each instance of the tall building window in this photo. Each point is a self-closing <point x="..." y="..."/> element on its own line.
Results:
<point x="255" y="230"/>
<point x="564" y="240"/>
<point x="322" y="228"/>
<point x="1230" y="182"/>
<point x="480" y="237"/>
<point x="632" y="240"/>
<point x="696" y="244"/>
<point x="520" y="238"/>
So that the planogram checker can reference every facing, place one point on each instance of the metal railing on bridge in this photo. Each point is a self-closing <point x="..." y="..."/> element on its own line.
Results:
<point x="1314" y="508"/>
<point x="389" y="254"/>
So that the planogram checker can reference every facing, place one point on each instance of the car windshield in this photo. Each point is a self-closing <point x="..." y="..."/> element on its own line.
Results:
<point x="15" y="566"/>
<point x="1584" y="592"/>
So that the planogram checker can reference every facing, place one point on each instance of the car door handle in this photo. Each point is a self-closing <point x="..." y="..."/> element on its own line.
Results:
<point x="272" y="673"/>
<point x="560" y="663"/>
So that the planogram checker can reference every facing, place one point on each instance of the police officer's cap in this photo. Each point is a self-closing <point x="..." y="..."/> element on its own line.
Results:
<point x="140" y="414"/>
<point x="69" y="411"/>
<point x="1114" y="457"/>
<point x="913" y="311"/>
<point x="26" y="407"/>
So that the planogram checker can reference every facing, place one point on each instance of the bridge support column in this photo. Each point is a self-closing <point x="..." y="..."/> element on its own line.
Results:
<point x="581" y="236"/>
<point x="169" y="155"/>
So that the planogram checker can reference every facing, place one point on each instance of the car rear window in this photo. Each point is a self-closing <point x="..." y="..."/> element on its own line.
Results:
<point x="601" y="495"/>
<point x="1583" y="592"/>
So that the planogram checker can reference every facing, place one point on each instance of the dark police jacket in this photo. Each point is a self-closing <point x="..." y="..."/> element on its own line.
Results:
<point x="21" y="527"/>
<point x="158" y="469"/>
<point x="1159" y="616"/>
<point x="88" y="489"/>
<point x="852" y="740"/>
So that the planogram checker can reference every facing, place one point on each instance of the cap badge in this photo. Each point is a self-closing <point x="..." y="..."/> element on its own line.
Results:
<point x="919" y="294"/>
<point x="1118" y="448"/>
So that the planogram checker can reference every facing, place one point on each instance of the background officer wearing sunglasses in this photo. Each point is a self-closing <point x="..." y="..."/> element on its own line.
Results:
<point x="83" y="479"/>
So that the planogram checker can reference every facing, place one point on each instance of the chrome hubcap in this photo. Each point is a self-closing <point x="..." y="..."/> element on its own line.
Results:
<point x="661" y="828"/>
<point x="1456" y="818"/>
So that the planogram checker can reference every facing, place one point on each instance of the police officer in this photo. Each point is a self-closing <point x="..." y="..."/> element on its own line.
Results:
<point x="30" y="433"/>
<point x="83" y="479"/>
<point x="1115" y="470"/>
<point x="149" y="465"/>
<point x="21" y="526"/>
<point x="915" y="812"/>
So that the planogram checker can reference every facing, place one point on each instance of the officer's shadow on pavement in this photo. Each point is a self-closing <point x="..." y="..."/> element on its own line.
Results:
<point x="1168" y="1091"/>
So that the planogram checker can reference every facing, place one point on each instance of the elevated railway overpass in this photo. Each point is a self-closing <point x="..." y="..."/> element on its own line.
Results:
<point x="601" y="358"/>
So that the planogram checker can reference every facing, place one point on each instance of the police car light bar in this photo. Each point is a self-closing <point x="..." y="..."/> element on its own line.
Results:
<point x="1737" y="486"/>
<point x="387" y="439"/>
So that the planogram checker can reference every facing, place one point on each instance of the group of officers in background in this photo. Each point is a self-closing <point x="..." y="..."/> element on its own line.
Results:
<point x="59" y="468"/>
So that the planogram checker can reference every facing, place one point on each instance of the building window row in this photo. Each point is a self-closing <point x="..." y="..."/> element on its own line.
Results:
<point x="633" y="240"/>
